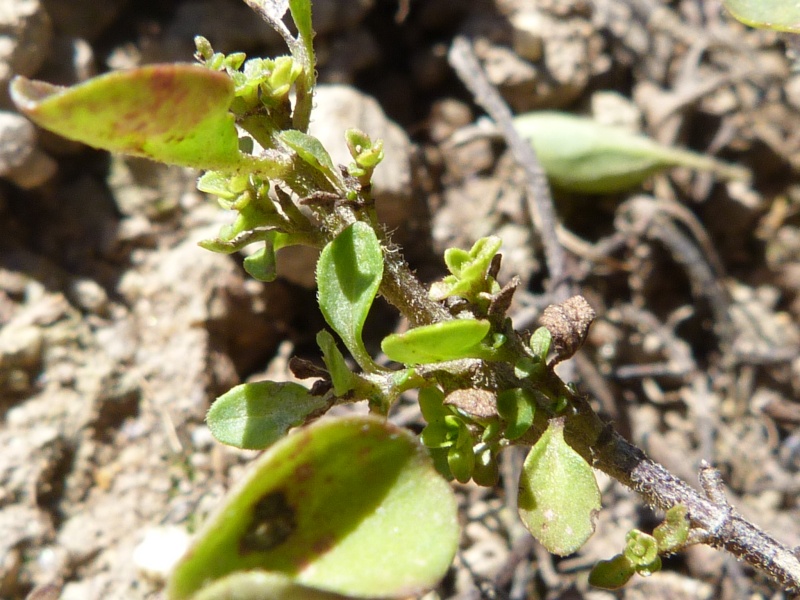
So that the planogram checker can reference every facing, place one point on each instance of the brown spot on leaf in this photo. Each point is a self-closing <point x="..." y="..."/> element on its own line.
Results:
<point x="303" y="472"/>
<point x="273" y="522"/>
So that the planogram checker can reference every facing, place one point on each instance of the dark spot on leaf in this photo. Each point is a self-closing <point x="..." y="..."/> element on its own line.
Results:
<point x="364" y="454"/>
<point x="303" y="472"/>
<point x="272" y="523"/>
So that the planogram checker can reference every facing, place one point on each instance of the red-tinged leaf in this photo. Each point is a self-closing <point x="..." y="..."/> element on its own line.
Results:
<point x="172" y="113"/>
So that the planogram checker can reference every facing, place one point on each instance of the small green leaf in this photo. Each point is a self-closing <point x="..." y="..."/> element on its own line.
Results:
<point x="648" y="569"/>
<point x="448" y="340"/>
<point x="640" y="548"/>
<point x="221" y="184"/>
<point x="438" y="435"/>
<point x="366" y="153"/>
<point x="469" y="270"/>
<point x="444" y="433"/>
<point x="461" y="457"/>
<point x="176" y="113"/>
<point x="349" y="273"/>
<point x="540" y="343"/>
<point x="259" y="585"/>
<point x="350" y="506"/>
<point x="313" y="153"/>
<point x="517" y="407"/>
<point x="341" y="375"/>
<point x="781" y="15"/>
<point x="431" y="404"/>
<point x="558" y="495"/>
<point x="581" y="155"/>
<point x="612" y="574"/>
<point x="254" y="415"/>
<point x="673" y="532"/>
<point x="486" y="471"/>
<point x="261" y="264"/>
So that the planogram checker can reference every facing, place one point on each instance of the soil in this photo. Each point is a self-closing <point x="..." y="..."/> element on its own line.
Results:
<point x="118" y="331"/>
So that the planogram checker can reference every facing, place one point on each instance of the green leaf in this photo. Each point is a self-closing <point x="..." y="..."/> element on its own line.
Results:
<point x="313" y="153"/>
<point x="612" y="574"/>
<point x="781" y="15"/>
<point x="438" y="435"/>
<point x="673" y="532"/>
<point x="640" y="548"/>
<point x="540" y="343"/>
<point x="517" y="407"/>
<point x="341" y="376"/>
<point x="175" y="113"/>
<point x="444" y="433"/>
<point x="530" y="369"/>
<point x="468" y="270"/>
<point x="261" y="264"/>
<point x="461" y="456"/>
<point x="349" y="274"/>
<point x="258" y="585"/>
<point x="558" y="495"/>
<point x="254" y="415"/>
<point x="581" y="155"/>
<point x="648" y="569"/>
<point x="301" y="15"/>
<point x="431" y="404"/>
<point x="366" y="153"/>
<point x="221" y="184"/>
<point x="351" y="506"/>
<point x="448" y="340"/>
<point x="486" y="472"/>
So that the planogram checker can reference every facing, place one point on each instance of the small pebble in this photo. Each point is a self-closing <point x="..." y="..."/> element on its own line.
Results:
<point x="160" y="550"/>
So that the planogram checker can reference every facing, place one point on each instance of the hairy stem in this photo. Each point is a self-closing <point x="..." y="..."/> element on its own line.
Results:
<point x="405" y="292"/>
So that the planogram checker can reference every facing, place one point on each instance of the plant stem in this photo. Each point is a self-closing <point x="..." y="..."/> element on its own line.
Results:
<point x="405" y="292"/>
<point x="713" y="523"/>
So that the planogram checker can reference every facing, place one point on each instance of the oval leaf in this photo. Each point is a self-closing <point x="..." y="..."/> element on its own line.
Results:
<point x="517" y="407"/>
<point x="558" y="493"/>
<point x="581" y="155"/>
<point x="255" y="415"/>
<point x="176" y="113"/>
<point x="351" y="506"/>
<point x="782" y="15"/>
<point x="612" y="574"/>
<point x="449" y="340"/>
<point x="349" y="273"/>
